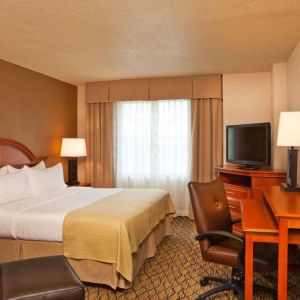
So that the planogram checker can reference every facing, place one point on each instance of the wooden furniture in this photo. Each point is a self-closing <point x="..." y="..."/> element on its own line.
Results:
<point x="285" y="207"/>
<point x="267" y="221"/>
<point x="217" y="242"/>
<point x="241" y="184"/>
<point x="17" y="155"/>
<point x="258" y="225"/>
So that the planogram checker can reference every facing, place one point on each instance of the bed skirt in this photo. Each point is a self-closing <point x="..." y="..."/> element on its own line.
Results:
<point x="87" y="270"/>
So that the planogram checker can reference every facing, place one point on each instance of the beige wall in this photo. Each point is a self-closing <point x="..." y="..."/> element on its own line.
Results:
<point x="279" y="104"/>
<point x="246" y="99"/>
<point x="36" y="110"/>
<point x="293" y="75"/>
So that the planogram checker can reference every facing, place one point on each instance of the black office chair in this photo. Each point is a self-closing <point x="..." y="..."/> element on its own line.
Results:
<point x="220" y="245"/>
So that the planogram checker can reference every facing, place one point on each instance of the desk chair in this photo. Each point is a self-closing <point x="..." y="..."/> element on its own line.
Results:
<point x="220" y="245"/>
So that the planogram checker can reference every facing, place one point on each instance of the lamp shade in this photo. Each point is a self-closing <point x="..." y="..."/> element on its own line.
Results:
<point x="289" y="129"/>
<point x="73" y="147"/>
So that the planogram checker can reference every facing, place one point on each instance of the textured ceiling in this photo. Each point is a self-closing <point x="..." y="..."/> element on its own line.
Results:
<point x="88" y="40"/>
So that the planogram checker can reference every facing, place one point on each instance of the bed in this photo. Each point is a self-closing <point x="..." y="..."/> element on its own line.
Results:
<point x="106" y="234"/>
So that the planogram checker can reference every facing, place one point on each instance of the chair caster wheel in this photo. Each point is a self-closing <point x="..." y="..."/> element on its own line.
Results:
<point x="203" y="282"/>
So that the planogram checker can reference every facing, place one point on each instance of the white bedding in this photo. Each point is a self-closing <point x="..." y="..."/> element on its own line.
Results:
<point x="41" y="217"/>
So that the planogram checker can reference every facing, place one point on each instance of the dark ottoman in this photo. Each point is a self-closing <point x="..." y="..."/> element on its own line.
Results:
<point x="40" y="278"/>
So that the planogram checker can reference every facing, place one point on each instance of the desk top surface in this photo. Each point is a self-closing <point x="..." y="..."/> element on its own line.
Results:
<point x="283" y="204"/>
<point x="257" y="217"/>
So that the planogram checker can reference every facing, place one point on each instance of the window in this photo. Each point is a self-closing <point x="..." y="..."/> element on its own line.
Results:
<point x="152" y="147"/>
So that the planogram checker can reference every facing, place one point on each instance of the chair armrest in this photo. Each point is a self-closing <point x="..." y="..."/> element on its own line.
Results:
<point x="222" y="233"/>
<point x="236" y="221"/>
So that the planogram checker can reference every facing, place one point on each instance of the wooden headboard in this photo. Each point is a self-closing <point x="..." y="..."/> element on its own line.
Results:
<point x="16" y="154"/>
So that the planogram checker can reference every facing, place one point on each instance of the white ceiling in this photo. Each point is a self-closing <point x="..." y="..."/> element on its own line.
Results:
<point x="89" y="40"/>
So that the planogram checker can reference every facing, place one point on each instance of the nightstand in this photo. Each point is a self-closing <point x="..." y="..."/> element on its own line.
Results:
<point x="81" y="184"/>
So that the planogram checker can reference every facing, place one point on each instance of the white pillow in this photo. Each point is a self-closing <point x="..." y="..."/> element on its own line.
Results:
<point x="13" y="187"/>
<point x="39" y="166"/>
<point x="40" y="181"/>
<point x="3" y="170"/>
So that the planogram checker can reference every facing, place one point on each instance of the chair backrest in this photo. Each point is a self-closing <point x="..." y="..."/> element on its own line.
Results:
<point x="210" y="208"/>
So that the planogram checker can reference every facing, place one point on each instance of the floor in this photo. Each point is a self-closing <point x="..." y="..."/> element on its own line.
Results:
<point x="175" y="271"/>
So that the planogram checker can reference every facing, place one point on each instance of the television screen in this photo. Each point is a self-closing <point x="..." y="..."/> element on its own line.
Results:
<point x="248" y="144"/>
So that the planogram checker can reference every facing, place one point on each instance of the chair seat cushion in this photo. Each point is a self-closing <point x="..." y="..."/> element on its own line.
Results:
<point x="40" y="278"/>
<point x="226" y="253"/>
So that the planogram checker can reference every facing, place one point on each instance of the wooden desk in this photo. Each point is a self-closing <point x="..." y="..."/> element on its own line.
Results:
<point x="258" y="225"/>
<point x="286" y="208"/>
<point x="268" y="221"/>
<point x="240" y="184"/>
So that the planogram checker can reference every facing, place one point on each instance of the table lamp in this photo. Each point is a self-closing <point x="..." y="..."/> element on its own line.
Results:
<point x="289" y="135"/>
<point x="73" y="148"/>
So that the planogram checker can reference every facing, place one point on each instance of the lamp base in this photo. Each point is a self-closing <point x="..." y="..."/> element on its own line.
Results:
<point x="291" y="172"/>
<point x="286" y="188"/>
<point x="73" y="183"/>
<point x="72" y="168"/>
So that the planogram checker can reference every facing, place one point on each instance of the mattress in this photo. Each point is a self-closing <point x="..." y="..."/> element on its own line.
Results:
<point x="41" y="217"/>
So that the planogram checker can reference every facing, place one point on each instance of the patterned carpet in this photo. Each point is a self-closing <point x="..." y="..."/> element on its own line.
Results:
<point x="175" y="271"/>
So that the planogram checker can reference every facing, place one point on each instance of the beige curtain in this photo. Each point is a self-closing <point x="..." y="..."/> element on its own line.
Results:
<point x="99" y="138"/>
<point x="207" y="141"/>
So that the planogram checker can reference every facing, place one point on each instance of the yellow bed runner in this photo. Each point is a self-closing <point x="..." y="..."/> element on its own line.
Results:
<point x="111" y="229"/>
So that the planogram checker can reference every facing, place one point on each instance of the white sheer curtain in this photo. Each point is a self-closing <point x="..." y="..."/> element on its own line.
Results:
<point x="153" y="147"/>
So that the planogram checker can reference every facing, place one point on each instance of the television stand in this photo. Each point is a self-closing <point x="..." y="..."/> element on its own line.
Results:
<point x="244" y="183"/>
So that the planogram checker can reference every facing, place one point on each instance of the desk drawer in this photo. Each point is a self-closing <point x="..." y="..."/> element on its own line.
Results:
<point x="259" y="182"/>
<point x="237" y="229"/>
<point x="234" y="192"/>
<point x="234" y="205"/>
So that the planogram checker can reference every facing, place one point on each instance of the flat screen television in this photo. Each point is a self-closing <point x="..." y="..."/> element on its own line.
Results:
<point x="249" y="145"/>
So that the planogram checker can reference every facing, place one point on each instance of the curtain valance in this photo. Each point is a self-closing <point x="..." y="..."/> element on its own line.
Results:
<point x="171" y="88"/>
<point x="97" y="92"/>
<point x="187" y="87"/>
<point x="207" y="86"/>
<point x="131" y="89"/>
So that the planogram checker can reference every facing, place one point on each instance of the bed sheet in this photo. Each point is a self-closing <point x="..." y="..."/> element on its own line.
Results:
<point x="41" y="217"/>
